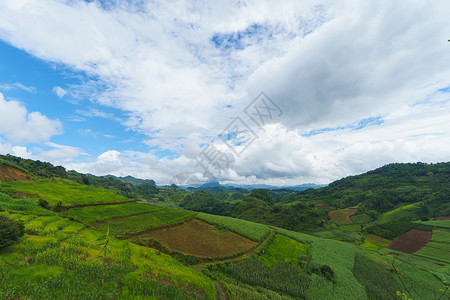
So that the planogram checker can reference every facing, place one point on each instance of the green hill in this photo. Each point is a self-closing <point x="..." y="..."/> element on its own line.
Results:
<point x="140" y="250"/>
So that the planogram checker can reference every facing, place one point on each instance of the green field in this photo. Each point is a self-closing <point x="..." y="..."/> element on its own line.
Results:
<point x="101" y="213"/>
<point x="163" y="217"/>
<point x="360" y="219"/>
<point x="254" y="231"/>
<point x="403" y="213"/>
<point x="439" y="224"/>
<point x="284" y="249"/>
<point x="68" y="192"/>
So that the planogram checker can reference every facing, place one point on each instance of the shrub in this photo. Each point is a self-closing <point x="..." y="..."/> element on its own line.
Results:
<point x="43" y="203"/>
<point x="58" y="206"/>
<point x="10" y="231"/>
<point x="327" y="272"/>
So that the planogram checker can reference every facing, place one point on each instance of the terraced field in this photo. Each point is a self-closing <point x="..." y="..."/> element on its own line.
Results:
<point x="342" y="216"/>
<point x="101" y="213"/>
<point x="160" y="217"/>
<point x="200" y="239"/>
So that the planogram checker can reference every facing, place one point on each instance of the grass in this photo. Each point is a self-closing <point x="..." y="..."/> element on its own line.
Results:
<point x="438" y="224"/>
<point x="163" y="217"/>
<point x="101" y="213"/>
<point x="403" y="213"/>
<point x="361" y="219"/>
<point x="200" y="239"/>
<point x="27" y="206"/>
<point x="284" y="249"/>
<point x="68" y="192"/>
<point x="254" y="231"/>
<point x="375" y="243"/>
<point x="61" y="264"/>
<point x="380" y="283"/>
<point x="439" y="251"/>
<point x="282" y="278"/>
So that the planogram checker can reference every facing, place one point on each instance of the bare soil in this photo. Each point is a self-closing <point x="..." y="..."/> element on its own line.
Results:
<point x="412" y="241"/>
<point x="8" y="173"/>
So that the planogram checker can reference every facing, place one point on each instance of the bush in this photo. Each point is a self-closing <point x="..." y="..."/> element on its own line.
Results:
<point x="58" y="207"/>
<point x="43" y="203"/>
<point x="327" y="272"/>
<point x="10" y="231"/>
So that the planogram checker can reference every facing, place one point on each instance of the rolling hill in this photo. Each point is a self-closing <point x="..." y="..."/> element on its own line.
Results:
<point x="141" y="250"/>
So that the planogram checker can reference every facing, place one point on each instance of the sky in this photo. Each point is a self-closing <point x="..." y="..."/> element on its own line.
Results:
<point x="240" y="92"/>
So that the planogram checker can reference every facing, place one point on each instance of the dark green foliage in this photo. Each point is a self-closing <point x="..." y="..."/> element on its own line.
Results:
<point x="58" y="206"/>
<point x="380" y="283"/>
<point x="10" y="231"/>
<point x="262" y="195"/>
<point x="36" y="167"/>
<point x="207" y="203"/>
<point x="283" y="278"/>
<point x="383" y="189"/>
<point x="43" y="203"/>
<point x="393" y="230"/>
<point x="327" y="272"/>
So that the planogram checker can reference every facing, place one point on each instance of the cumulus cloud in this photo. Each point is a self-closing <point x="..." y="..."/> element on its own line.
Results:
<point x="20" y="126"/>
<point x="59" y="91"/>
<point x="180" y="71"/>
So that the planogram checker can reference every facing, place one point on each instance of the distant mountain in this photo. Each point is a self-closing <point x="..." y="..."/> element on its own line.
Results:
<point x="300" y="187"/>
<point x="132" y="180"/>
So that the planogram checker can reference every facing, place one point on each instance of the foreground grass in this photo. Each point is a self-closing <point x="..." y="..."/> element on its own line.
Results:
<point x="60" y="264"/>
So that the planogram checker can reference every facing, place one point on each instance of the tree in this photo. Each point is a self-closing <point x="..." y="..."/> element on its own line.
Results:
<point x="10" y="231"/>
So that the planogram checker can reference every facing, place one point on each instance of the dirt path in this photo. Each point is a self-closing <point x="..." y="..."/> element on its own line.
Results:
<point x="220" y="291"/>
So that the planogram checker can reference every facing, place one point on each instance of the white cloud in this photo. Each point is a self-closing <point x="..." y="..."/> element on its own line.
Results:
<point x="20" y="126"/>
<point x="18" y="85"/>
<point x="59" y="91"/>
<point x="326" y="65"/>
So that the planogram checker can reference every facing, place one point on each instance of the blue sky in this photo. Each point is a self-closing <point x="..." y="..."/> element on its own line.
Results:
<point x="112" y="87"/>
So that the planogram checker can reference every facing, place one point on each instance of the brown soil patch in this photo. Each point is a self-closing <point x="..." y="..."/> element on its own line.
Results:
<point x="412" y="241"/>
<point x="200" y="239"/>
<point x="443" y="218"/>
<point x="8" y="173"/>
<point x="342" y="216"/>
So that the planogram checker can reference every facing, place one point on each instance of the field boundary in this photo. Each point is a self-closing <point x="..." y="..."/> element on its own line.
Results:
<point x="67" y="207"/>
<point x="137" y="234"/>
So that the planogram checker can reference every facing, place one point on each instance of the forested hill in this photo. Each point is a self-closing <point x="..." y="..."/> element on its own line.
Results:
<point x="382" y="189"/>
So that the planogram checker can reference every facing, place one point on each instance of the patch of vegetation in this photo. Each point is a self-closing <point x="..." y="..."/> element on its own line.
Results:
<point x="393" y="230"/>
<point x="10" y="231"/>
<point x="254" y="231"/>
<point x="380" y="283"/>
<point x="101" y="213"/>
<point x="283" y="278"/>
<point x="164" y="217"/>
<point x="283" y="249"/>
<point x="360" y="219"/>
<point x="68" y="192"/>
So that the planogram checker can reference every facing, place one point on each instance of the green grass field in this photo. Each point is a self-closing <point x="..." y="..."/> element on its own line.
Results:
<point x="162" y="217"/>
<point x="68" y="192"/>
<point x="60" y="264"/>
<point x="101" y="213"/>
<point x="254" y="231"/>
<point x="284" y="249"/>
<point x="360" y="219"/>
<point x="403" y="213"/>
